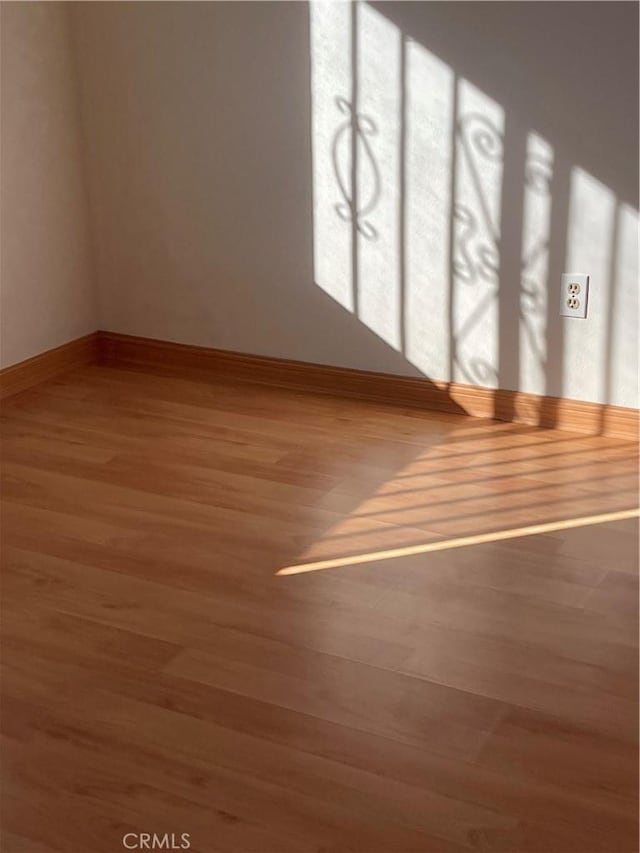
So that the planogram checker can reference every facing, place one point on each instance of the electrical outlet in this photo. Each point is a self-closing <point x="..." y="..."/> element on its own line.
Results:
<point x="574" y="295"/>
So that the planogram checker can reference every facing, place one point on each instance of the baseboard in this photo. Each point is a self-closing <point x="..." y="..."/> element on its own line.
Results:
<point x="413" y="392"/>
<point x="518" y="407"/>
<point x="46" y="365"/>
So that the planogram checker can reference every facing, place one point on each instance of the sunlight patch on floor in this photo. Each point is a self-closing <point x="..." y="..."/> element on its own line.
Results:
<point x="461" y="542"/>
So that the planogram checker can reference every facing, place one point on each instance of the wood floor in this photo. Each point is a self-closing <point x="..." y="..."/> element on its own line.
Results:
<point x="287" y="623"/>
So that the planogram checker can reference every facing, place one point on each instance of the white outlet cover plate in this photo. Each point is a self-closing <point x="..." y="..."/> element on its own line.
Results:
<point x="568" y="293"/>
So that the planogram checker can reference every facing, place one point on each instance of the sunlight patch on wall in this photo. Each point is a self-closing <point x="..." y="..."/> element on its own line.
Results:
<point x="331" y="81"/>
<point x="590" y="236"/>
<point x="536" y="228"/>
<point x="379" y="193"/>
<point x="429" y="134"/>
<point x="624" y="329"/>
<point x="408" y="171"/>
<point x="383" y="107"/>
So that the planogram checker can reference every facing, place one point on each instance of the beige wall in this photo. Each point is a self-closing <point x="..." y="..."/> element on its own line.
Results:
<point x="214" y="128"/>
<point x="216" y="144"/>
<point x="46" y="292"/>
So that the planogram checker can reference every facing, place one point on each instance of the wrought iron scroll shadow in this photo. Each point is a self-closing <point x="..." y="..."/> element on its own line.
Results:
<point x="364" y="127"/>
<point x="476" y="253"/>
<point x="476" y="256"/>
<point x="477" y="240"/>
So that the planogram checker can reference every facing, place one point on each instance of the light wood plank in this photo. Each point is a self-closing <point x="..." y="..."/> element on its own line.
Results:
<point x="160" y="675"/>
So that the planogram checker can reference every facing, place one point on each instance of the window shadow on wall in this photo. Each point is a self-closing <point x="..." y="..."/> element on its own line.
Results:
<point x="452" y="190"/>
